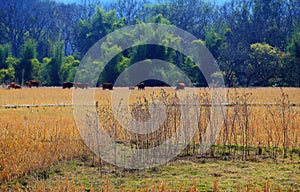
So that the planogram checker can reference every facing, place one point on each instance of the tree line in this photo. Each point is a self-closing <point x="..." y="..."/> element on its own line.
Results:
<point x="255" y="42"/>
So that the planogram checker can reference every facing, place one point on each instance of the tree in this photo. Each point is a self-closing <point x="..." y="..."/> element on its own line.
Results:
<point x="193" y="16"/>
<point x="68" y="69"/>
<point x="55" y="63"/>
<point x="36" y="69"/>
<point x="292" y="67"/>
<point x="231" y="61"/>
<point x="4" y="54"/>
<point x="7" y="75"/>
<point x="20" y="20"/>
<point x="66" y="21"/>
<point x="213" y="42"/>
<point x="228" y="31"/>
<point x="26" y="65"/>
<point x="92" y="30"/>
<point x="45" y="71"/>
<point x="265" y="65"/>
<point x="268" y="19"/>
<point x="160" y="19"/>
<point x="130" y="10"/>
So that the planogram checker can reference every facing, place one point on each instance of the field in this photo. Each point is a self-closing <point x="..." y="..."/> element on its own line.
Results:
<point x="258" y="145"/>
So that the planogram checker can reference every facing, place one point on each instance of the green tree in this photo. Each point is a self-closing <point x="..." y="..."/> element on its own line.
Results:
<point x="292" y="68"/>
<point x="160" y="19"/>
<point x="68" y="69"/>
<point x="45" y="71"/>
<point x="91" y="30"/>
<point x="213" y="42"/>
<point x="7" y="75"/>
<point x="24" y="72"/>
<point x="12" y="62"/>
<point x="36" y="69"/>
<point x="268" y="19"/>
<point x="231" y="61"/>
<point x="55" y="63"/>
<point x="4" y="54"/>
<point x="265" y="65"/>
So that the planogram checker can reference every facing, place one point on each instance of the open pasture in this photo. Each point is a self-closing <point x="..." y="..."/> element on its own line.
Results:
<point x="261" y="122"/>
<point x="57" y="95"/>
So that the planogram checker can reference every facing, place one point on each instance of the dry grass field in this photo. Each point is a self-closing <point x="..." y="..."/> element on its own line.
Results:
<point x="259" y="123"/>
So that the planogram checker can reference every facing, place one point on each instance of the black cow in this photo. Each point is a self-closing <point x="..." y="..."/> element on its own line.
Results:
<point x="141" y="86"/>
<point x="107" y="86"/>
<point x="67" y="85"/>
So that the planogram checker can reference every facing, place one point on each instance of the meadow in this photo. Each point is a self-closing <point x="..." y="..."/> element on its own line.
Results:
<point x="261" y="127"/>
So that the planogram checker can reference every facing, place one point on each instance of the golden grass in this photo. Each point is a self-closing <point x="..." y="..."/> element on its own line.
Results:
<point x="35" y="96"/>
<point x="34" y="138"/>
<point x="64" y="96"/>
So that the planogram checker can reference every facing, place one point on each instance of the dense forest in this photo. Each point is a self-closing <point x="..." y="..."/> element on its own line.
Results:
<point x="255" y="42"/>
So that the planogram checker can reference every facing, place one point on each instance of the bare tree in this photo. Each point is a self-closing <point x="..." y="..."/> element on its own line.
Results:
<point x="130" y="10"/>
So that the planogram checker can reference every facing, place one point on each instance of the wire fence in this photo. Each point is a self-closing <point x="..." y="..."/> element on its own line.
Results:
<point x="9" y="106"/>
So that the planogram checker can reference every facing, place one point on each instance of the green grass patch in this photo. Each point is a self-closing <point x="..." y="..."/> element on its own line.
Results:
<point x="179" y="174"/>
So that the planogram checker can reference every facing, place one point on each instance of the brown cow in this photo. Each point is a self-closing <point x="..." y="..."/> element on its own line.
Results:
<point x="35" y="83"/>
<point x="67" y="85"/>
<point x="14" y="85"/>
<point x="107" y="86"/>
<point x="81" y="85"/>
<point x="141" y="85"/>
<point x="180" y="86"/>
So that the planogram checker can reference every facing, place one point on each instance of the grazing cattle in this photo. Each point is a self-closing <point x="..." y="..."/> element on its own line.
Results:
<point x="81" y="85"/>
<point x="34" y="83"/>
<point x="180" y="86"/>
<point x="17" y="86"/>
<point x="131" y="88"/>
<point x="67" y="85"/>
<point x="141" y="86"/>
<point x="107" y="86"/>
<point x="14" y="85"/>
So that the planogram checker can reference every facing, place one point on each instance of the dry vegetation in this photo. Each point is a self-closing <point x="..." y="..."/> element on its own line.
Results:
<point x="34" y="138"/>
<point x="260" y="122"/>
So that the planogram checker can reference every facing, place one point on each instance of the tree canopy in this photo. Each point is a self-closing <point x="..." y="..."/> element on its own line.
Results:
<point x="255" y="42"/>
